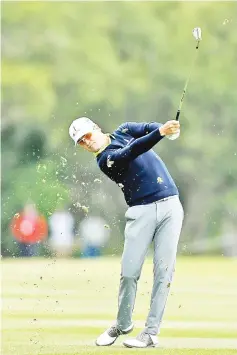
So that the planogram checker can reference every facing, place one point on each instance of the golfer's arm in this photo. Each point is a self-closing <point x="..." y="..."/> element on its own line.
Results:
<point x="136" y="148"/>
<point x="138" y="130"/>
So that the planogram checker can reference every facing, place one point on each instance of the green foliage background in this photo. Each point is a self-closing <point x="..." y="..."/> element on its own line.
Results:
<point x="113" y="62"/>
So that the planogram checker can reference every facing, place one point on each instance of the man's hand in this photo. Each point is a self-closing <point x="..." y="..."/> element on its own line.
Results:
<point x="170" y="127"/>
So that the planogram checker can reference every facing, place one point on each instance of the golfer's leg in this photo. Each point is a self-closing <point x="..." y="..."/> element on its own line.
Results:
<point x="170" y="214"/>
<point x="139" y="232"/>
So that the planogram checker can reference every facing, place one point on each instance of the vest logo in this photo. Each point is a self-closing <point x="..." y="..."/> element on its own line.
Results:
<point x="159" y="180"/>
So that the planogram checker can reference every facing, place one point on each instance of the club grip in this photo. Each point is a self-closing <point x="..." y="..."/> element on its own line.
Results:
<point x="177" y="115"/>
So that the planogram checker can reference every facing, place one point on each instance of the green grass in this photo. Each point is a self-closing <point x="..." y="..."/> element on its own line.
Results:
<point x="59" y="307"/>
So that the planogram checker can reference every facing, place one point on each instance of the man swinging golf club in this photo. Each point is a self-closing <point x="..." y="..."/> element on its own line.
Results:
<point x="155" y="214"/>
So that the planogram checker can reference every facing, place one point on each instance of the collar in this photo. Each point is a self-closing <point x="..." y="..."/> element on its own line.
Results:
<point x="104" y="146"/>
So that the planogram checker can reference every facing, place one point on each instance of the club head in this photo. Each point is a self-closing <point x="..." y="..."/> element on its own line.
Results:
<point x="197" y="33"/>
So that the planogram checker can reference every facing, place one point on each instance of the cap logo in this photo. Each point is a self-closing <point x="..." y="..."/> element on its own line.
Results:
<point x="75" y="131"/>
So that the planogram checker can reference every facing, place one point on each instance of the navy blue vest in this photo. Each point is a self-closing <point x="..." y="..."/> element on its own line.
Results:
<point x="130" y="161"/>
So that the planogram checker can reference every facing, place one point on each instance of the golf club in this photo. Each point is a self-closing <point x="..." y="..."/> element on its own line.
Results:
<point x="197" y="36"/>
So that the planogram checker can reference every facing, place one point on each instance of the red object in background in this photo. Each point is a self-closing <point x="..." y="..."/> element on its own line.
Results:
<point x="29" y="230"/>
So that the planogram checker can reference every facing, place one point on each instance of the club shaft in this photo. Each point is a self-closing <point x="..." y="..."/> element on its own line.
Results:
<point x="186" y="84"/>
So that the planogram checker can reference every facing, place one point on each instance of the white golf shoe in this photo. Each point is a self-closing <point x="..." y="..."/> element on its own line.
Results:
<point x="143" y="340"/>
<point x="112" y="334"/>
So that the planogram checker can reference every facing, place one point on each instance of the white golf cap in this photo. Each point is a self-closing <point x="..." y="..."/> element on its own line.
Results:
<point x="80" y="127"/>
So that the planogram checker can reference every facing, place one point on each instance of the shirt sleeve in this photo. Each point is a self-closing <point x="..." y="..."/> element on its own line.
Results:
<point x="136" y="148"/>
<point x="138" y="130"/>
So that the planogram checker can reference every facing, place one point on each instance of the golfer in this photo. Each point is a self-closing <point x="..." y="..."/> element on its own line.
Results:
<point x="155" y="214"/>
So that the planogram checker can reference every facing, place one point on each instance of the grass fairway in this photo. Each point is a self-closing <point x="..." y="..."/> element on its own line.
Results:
<point x="58" y="307"/>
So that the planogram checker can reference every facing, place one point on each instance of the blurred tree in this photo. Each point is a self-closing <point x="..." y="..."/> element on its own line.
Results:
<point x="28" y="175"/>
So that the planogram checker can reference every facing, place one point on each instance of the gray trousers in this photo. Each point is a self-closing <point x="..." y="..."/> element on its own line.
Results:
<point x="160" y="222"/>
